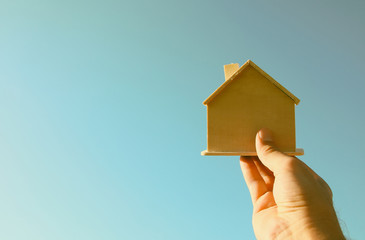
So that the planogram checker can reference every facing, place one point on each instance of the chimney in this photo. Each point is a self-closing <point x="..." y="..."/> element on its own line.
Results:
<point x="230" y="69"/>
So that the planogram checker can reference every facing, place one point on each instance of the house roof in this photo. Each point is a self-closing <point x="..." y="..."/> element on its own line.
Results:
<point x="241" y="69"/>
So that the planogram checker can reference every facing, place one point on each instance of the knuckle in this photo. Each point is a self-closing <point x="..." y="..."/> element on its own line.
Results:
<point x="267" y="150"/>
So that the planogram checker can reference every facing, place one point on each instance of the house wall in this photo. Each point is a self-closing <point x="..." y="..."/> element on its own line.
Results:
<point x="246" y="105"/>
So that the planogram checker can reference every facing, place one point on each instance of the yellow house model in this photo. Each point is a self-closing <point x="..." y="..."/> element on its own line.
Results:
<point x="247" y="101"/>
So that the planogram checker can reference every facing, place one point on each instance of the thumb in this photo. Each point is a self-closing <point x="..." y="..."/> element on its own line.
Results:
<point x="269" y="155"/>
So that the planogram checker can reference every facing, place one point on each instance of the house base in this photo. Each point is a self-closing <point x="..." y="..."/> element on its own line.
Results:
<point x="298" y="152"/>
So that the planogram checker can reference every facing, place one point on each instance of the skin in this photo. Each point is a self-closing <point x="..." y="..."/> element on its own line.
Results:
<point x="290" y="201"/>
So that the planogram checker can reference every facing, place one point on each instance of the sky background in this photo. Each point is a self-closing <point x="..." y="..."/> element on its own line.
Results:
<point x="102" y="121"/>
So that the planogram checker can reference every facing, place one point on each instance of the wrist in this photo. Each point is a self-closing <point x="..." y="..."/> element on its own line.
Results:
<point x="321" y="229"/>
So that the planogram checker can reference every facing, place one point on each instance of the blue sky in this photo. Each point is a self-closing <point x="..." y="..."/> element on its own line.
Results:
<point x="102" y="121"/>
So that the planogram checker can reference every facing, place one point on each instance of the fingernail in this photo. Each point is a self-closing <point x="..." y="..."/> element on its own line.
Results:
<point x="265" y="134"/>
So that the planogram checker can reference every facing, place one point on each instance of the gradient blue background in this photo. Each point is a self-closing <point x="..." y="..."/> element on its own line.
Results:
<point x="102" y="122"/>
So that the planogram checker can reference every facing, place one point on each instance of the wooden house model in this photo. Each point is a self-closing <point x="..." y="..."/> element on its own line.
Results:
<point x="247" y="101"/>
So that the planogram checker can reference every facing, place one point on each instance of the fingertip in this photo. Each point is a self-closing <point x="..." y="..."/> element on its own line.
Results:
<point x="247" y="158"/>
<point x="246" y="161"/>
<point x="265" y="135"/>
<point x="243" y="158"/>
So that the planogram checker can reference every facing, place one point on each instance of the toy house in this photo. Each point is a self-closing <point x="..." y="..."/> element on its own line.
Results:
<point x="247" y="101"/>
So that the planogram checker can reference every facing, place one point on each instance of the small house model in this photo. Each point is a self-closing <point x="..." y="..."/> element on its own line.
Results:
<point x="247" y="101"/>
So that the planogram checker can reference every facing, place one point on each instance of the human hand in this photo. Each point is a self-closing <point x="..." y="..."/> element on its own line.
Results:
<point x="290" y="201"/>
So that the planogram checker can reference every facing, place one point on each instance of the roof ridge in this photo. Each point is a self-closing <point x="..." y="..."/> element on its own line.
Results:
<point x="267" y="76"/>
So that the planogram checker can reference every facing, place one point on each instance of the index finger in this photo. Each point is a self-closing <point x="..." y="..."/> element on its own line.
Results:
<point x="254" y="181"/>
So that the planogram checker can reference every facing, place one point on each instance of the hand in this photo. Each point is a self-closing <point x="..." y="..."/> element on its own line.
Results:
<point x="290" y="201"/>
